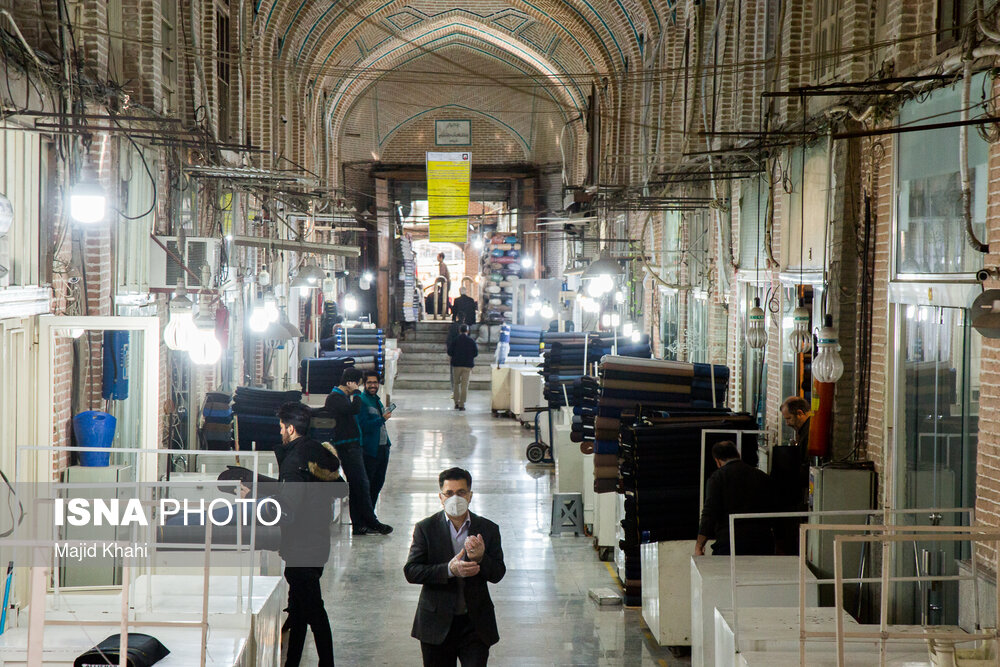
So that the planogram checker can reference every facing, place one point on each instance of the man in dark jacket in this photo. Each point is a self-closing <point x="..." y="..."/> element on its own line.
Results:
<point x="465" y="307"/>
<point x="463" y="351"/>
<point x="344" y="405"/>
<point x="454" y="554"/>
<point x="736" y="488"/>
<point x="305" y="529"/>
<point x="375" y="441"/>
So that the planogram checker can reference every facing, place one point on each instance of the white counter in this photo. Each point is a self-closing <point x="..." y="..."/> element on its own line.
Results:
<point x="710" y="589"/>
<point x="666" y="590"/>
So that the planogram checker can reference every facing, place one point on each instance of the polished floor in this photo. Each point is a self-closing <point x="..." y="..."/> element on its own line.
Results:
<point x="543" y="611"/>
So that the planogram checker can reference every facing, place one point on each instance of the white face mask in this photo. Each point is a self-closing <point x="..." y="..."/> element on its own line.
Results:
<point x="456" y="506"/>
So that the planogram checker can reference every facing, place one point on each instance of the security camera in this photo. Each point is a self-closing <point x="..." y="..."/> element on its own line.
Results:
<point x="283" y="119"/>
<point x="982" y="275"/>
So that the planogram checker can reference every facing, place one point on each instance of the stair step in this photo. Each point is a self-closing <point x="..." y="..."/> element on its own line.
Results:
<point x="439" y="348"/>
<point x="431" y="384"/>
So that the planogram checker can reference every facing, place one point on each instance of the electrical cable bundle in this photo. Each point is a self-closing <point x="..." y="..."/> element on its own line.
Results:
<point x="217" y="425"/>
<point x="256" y="416"/>
<point x="501" y="270"/>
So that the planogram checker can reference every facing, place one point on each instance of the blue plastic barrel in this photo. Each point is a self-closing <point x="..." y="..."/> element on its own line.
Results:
<point x="96" y="429"/>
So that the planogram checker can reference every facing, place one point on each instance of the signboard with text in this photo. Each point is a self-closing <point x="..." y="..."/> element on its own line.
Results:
<point x="448" y="177"/>
<point x="453" y="132"/>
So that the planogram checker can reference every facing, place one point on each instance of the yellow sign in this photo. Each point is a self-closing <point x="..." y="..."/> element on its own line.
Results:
<point x="448" y="176"/>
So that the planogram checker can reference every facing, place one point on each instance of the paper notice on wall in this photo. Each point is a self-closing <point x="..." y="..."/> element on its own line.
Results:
<point x="448" y="176"/>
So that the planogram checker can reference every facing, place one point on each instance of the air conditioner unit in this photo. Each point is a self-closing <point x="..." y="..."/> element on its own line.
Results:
<point x="165" y="272"/>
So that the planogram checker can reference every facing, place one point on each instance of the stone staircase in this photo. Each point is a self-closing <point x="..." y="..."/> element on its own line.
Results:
<point x="424" y="364"/>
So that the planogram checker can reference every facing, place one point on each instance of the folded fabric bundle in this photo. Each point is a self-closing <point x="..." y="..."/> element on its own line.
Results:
<point x="606" y="447"/>
<point x="606" y="472"/>
<point x="605" y="485"/>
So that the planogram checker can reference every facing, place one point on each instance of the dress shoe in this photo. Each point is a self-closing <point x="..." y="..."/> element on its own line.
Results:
<point x="383" y="529"/>
<point x="364" y="530"/>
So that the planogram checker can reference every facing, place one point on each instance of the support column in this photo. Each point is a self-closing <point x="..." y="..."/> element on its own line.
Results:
<point x="384" y="227"/>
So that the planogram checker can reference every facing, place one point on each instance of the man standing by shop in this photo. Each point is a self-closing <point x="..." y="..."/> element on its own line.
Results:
<point x="465" y="307"/>
<point x="797" y="412"/>
<point x="374" y="437"/>
<point x="305" y="529"/>
<point x="736" y="488"/>
<point x="344" y="405"/>
<point x="463" y="351"/>
<point x="454" y="555"/>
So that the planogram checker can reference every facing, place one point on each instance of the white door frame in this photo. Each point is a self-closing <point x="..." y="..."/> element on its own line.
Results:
<point x="48" y="326"/>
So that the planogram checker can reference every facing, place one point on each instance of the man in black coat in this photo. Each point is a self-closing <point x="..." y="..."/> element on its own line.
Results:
<point x="305" y="529"/>
<point x="344" y="405"/>
<point x="736" y="488"/>
<point x="463" y="351"/>
<point x="454" y="554"/>
<point x="465" y="307"/>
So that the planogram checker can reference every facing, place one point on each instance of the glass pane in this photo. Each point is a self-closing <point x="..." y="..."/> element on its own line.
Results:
<point x="930" y="229"/>
<point x="752" y="362"/>
<point x="698" y="329"/>
<point x="668" y="324"/>
<point x="936" y="440"/>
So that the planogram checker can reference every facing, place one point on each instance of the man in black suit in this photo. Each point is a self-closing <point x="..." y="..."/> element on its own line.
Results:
<point x="736" y="488"/>
<point x="453" y="556"/>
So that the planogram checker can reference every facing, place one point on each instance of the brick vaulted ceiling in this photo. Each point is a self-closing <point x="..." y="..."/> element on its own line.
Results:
<point x="495" y="58"/>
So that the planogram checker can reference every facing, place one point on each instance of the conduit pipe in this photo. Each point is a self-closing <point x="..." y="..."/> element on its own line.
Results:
<point x="963" y="162"/>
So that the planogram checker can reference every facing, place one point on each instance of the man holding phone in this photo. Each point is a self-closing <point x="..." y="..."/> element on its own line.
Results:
<point x="374" y="437"/>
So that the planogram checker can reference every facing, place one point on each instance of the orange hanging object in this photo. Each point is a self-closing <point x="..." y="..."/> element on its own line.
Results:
<point x="822" y="419"/>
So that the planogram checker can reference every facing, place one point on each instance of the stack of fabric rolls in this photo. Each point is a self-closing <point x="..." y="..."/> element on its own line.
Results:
<point x="217" y="425"/>
<point x="321" y="375"/>
<point x="410" y="301"/>
<point x="255" y="412"/>
<point x="365" y="345"/>
<point x="660" y="464"/>
<point x="501" y="269"/>
<point x="563" y="365"/>
<point x="525" y="341"/>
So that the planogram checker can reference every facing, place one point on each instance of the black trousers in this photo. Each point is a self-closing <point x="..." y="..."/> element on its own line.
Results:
<point x="305" y="608"/>
<point x="352" y="462"/>
<point x="376" y="467"/>
<point x="462" y="644"/>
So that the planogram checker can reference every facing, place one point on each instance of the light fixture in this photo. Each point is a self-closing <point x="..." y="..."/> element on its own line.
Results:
<point x="627" y="329"/>
<point x="291" y="330"/>
<point x="365" y="282"/>
<point x="801" y="338"/>
<point x="205" y="348"/>
<point x="478" y="243"/>
<point x="263" y="277"/>
<point x="619" y="297"/>
<point x="526" y="262"/>
<point x="535" y="292"/>
<point x="616" y="319"/>
<point x="827" y="366"/>
<point x="258" y="319"/>
<point x="546" y="311"/>
<point x="636" y="336"/>
<point x="88" y="202"/>
<point x="328" y="286"/>
<point x="350" y="303"/>
<point x="529" y="310"/>
<point x="180" y="330"/>
<point x="606" y="320"/>
<point x="756" y="333"/>
<point x="270" y="308"/>
<point x="301" y="280"/>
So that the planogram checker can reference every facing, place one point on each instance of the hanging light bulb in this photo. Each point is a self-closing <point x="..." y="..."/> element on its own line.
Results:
<point x="535" y="292"/>
<point x="350" y="303"/>
<point x="606" y="320"/>
<point x="529" y="310"/>
<point x="636" y="336"/>
<point x="179" y="330"/>
<point x="616" y="319"/>
<point x="619" y="297"/>
<point x="827" y="366"/>
<point x="365" y="282"/>
<point x="627" y="329"/>
<point x="205" y="348"/>
<point x="258" y="318"/>
<point x="756" y="333"/>
<point x="328" y="286"/>
<point x="88" y="202"/>
<point x="801" y="338"/>
<point x="263" y="277"/>
<point x="526" y="262"/>
<point x="271" y="308"/>
<point x="478" y="243"/>
<point x="547" y="311"/>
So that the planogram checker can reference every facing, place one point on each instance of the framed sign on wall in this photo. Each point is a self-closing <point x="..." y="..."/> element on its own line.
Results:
<point x="453" y="132"/>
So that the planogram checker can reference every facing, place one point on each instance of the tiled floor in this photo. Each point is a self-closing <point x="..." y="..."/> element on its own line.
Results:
<point x="542" y="607"/>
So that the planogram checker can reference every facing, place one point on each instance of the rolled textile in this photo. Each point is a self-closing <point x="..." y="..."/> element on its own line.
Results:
<point x="606" y="472"/>
<point x="611" y="383"/>
<point x="601" y="460"/>
<point x="607" y="423"/>
<point x="605" y="447"/>
<point x="605" y="485"/>
<point x="649" y="365"/>
<point x="606" y="434"/>
<point x="587" y="447"/>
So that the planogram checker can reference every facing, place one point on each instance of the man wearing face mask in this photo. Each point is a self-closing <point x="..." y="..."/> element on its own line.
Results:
<point x="454" y="554"/>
